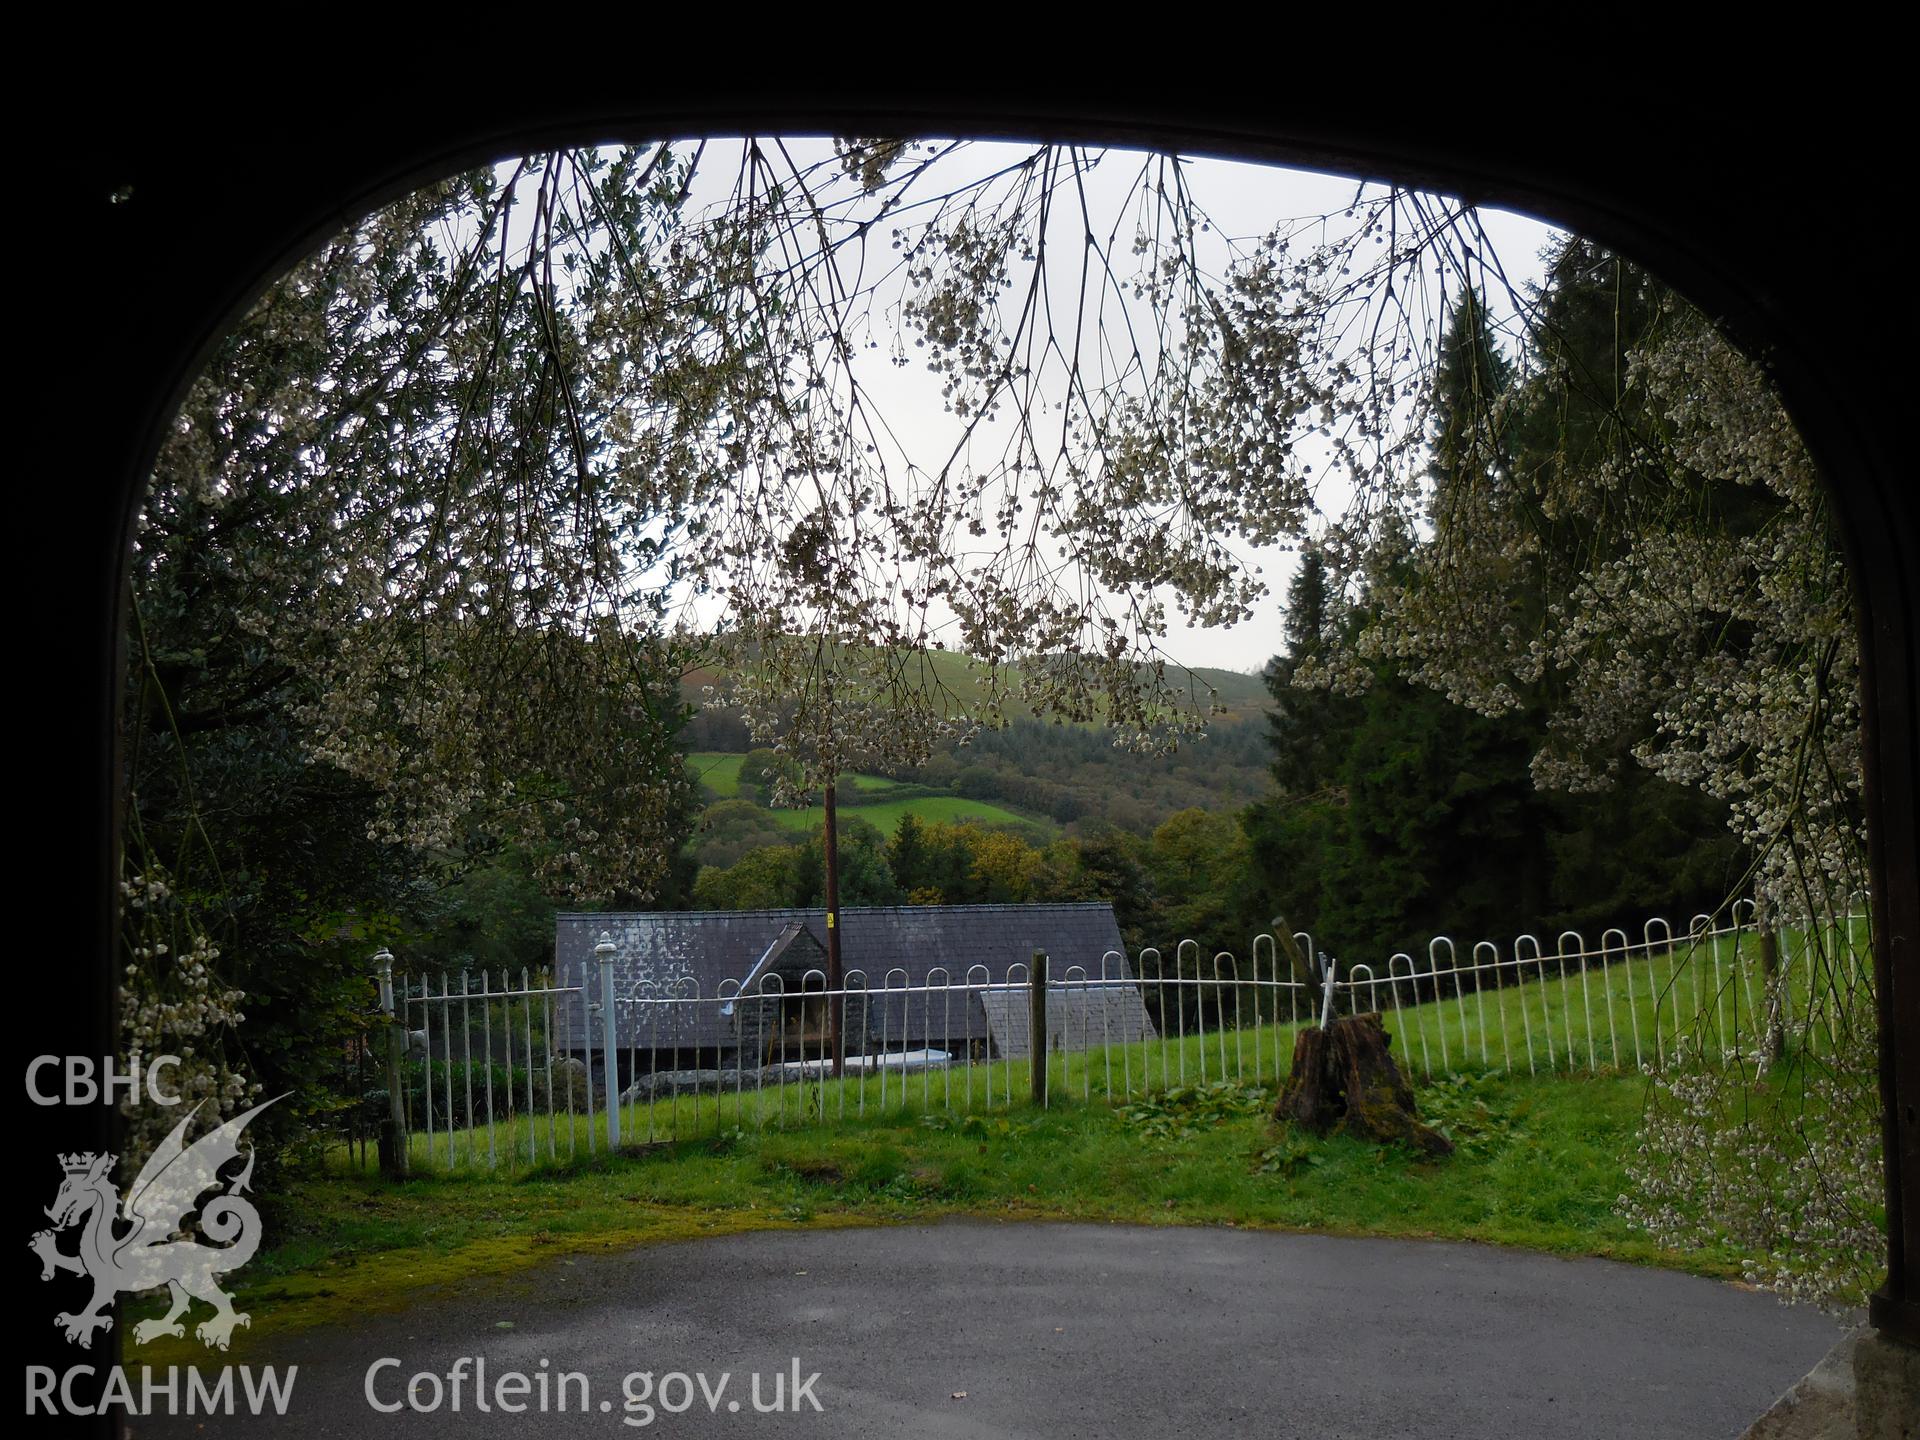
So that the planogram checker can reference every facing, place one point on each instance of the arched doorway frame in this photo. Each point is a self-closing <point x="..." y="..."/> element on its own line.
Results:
<point x="178" y="249"/>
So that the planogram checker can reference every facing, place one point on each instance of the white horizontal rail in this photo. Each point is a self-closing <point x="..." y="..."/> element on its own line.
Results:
<point x="497" y="1061"/>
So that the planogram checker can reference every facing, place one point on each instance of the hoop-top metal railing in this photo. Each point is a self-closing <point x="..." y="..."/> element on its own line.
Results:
<point x="510" y="1072"/>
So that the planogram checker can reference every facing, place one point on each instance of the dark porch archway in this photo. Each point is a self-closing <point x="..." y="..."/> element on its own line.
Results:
<point x="179" y="217"/>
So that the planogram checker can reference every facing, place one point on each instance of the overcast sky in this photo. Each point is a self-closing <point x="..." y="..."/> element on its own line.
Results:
<point x="1242" y="200"/>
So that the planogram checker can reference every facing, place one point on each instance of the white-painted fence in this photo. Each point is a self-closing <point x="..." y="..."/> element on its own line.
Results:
<point x="484" y="1087"/>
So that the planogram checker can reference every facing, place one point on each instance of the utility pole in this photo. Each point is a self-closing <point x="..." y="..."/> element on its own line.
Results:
<point x="836" y="1002"/>
<point x="1037" y="1026"/>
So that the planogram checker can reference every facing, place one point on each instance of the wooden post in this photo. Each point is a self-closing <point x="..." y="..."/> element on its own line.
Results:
<point x="1301" y="965"/>
<point x="393" y="1130"/>
<point x="1037" y="1026"/>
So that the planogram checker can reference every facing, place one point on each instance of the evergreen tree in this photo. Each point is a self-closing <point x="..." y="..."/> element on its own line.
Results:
<point x="1291" y="833"/>
<point x="1113" y="868"/>
<point x="1404" y="814"/>
<point x="1471" y="376"/>
<point x="1504" y="566"/>
<point x="1307" y="721"/>
<point x="865" y="878"/>
<point x="907" y="854"/>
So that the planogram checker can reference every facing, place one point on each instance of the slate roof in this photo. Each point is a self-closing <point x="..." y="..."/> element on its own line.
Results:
<point x="689" y="953"/>
<point x="1078" y="1018"/>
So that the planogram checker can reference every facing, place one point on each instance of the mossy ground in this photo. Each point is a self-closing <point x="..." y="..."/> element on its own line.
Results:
<point x="1539" y="1165"/>
<point x="1540" y="1158"/>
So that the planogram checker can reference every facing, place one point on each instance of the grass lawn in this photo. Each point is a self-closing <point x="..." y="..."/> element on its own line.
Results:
<point x="1605" y="1023"/>
<point x="1162" y="1132"/>
<point x="1539" y="1166"/>
<point x="1617" y="1017"/>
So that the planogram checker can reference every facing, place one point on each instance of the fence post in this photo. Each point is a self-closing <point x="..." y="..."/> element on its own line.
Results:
<point x="393" y="1129"/>
<point x="609" y="1038"/>
<point x="1037" y="1026"/>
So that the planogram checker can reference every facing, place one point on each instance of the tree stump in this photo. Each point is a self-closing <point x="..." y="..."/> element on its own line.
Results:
<point x="1344" y="1082"/>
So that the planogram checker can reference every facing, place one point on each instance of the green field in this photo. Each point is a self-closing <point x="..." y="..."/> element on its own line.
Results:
<point x="884" y="815"/>
<point x="721" y="774"/>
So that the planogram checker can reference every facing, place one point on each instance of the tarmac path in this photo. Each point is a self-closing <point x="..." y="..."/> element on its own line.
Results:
<point x="974" y="1329"/>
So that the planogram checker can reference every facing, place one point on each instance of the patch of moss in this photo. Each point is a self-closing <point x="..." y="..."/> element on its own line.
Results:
<point x="1540" y="1170"/>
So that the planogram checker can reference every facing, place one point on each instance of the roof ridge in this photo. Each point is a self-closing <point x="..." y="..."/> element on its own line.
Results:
<point x="794" y="910"/>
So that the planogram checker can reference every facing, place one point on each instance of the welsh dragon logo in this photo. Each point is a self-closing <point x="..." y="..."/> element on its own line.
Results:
<point x="139" y="1245"/>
